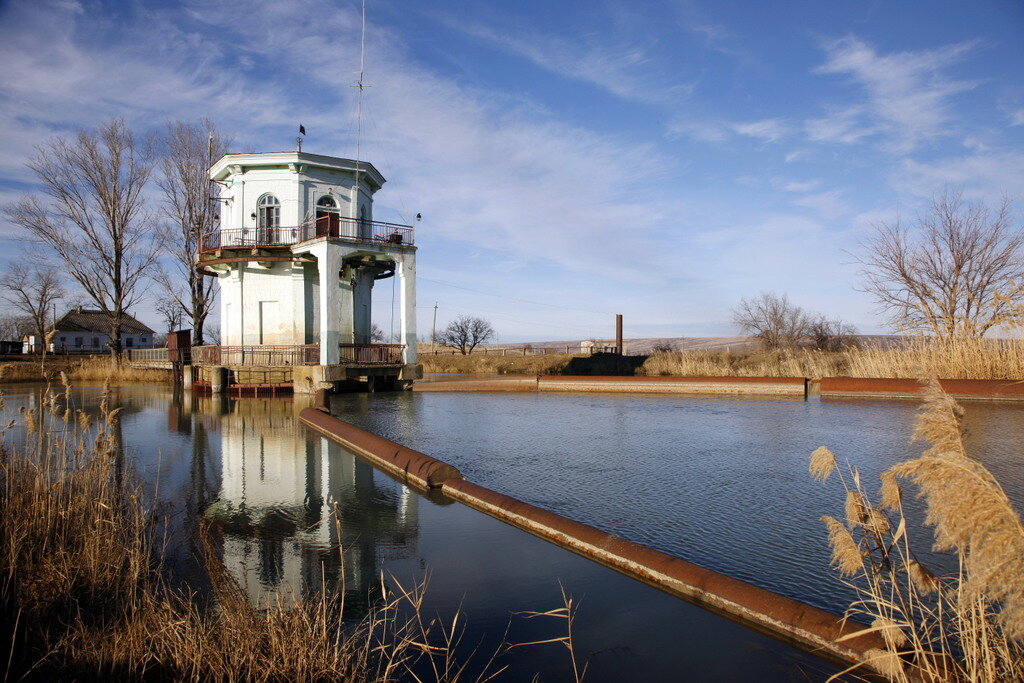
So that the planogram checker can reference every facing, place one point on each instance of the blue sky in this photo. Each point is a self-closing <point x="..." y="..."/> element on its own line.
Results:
<point x="575" y="159"/>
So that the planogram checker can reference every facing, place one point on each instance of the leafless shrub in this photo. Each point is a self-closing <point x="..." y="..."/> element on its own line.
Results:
<point x="830" y="334"/>
<point x="465" y="333"/>
<point x="771" y="319"/>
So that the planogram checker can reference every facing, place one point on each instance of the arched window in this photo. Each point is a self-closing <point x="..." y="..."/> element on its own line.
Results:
<point x="268" y="212"/>
<point x="327" y="216"/>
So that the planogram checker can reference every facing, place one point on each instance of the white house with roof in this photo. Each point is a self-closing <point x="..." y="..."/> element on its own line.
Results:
<point x="83" y="330"/>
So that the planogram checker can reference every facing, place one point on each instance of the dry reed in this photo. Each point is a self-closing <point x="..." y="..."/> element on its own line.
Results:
<point x="539" y="364"/>
<point x="968" y="626"/>
<point x="88" y="369"/>
<point x="81" y="580"/>
<point x="957" y="358"/>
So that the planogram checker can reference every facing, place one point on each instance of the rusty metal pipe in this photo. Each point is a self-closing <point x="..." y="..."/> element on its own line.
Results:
<point x="416" y="469"/>
<point x="788" y="620"/>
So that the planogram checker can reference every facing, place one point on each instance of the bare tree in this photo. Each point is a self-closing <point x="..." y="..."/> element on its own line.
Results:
<point x="189" y="151"/>
<point x="14" y="327"/>
<point x="830" y="334"/>
<point x="376" y="333"/>
<point x="172" y="314"/>
<point x="33" y="290"/>
<point x="772" y="319"/>
<point x="955" y="271"/>
<point x="94" y="219"/>
<point x="465" y="333"/>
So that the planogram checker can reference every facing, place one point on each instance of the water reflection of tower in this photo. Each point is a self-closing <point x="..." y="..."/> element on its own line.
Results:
<point x="278" y="483"/>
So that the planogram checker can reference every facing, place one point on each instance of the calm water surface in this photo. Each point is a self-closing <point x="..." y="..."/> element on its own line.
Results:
<point x="715" y="480"/>
<point x="267" y="483"/>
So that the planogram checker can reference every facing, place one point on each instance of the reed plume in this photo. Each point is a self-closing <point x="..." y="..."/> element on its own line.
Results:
<point x="968" y="626"/>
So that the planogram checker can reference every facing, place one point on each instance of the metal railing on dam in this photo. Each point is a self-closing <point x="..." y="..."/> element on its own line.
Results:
<point x="266" y="355"/>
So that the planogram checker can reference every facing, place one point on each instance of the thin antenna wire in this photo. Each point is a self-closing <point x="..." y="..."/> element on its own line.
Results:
<point x="359" y="85"/>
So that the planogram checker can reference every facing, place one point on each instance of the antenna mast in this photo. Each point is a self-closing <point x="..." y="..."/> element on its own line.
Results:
<point x="359" y="94"/>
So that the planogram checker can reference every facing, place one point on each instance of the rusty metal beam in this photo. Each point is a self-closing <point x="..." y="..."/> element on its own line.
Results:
<point x="801" y="625"/>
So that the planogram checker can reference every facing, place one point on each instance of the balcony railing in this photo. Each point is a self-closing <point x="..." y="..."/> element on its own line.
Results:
<point x="264" y="355"/>
<point x="376" y="232"/>
<point x="371" y="354"/>
<point x="270" y="355"/>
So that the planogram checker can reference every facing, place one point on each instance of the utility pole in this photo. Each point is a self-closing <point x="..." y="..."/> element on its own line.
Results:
<point x="433" y="331"/>
<point x="618" y="333"/>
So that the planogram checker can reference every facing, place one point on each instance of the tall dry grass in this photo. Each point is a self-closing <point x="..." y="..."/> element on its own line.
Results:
<point x="87" y="369"/>
<point x="779" y="363"/>
<point x="968" y="626"/>
<point x="955" y="358"/>
<point x="82" y="588"/>
<point x="476" y="363"/>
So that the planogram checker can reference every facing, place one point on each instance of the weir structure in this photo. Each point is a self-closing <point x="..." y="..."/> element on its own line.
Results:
<point x="296" y="257"/>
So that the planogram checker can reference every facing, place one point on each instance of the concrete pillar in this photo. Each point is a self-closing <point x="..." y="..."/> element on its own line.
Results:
<point x="328" y="263"/>
<point x="406" y="273"/>
<point x="218" y="380"/>
<point x="362" y="303"/>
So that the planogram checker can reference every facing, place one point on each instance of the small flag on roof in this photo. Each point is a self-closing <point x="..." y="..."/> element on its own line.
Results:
<point x="302" y="129"/>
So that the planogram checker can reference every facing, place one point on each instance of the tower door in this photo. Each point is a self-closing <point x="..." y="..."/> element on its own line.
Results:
<point x="327" y="217"/>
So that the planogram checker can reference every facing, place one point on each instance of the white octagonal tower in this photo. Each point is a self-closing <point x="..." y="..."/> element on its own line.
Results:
<point x="297" y="256"/>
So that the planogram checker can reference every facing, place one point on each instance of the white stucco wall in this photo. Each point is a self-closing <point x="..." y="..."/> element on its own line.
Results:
<point x="280" y="302"/>
<point x="92" y="341"/>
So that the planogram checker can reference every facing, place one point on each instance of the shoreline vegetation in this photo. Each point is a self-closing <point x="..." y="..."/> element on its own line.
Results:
<point x="955" y="358"/>
<point x="88" y="369"/>
<point x="83" y="585"/>
<point x="967" y="626"/>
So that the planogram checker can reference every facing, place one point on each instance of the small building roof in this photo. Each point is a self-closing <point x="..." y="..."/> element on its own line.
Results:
<point x="233" y="163"/>
<point x="90" y="320"/>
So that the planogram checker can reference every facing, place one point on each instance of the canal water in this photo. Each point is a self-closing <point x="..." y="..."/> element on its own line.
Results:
<point x="718" y="481"/>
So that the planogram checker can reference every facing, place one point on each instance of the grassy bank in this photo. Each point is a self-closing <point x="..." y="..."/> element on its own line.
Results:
<point x="82" y="590"/>
<point x="948" y="359"/>
<point x="81" y="369"/>
<point x="549" y="364"/>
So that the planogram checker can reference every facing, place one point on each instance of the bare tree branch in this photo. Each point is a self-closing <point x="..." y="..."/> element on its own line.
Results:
<point x="33" y="289"/>
<point x="189" y="151"/>
<point x="956" y="271"/>
<point x="94" y="219"/>
<point x="772" y="319"/>
<point x="465" y="333"/>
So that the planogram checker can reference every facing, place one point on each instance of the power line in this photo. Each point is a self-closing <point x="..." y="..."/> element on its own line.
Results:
<point x="513" y="298"/>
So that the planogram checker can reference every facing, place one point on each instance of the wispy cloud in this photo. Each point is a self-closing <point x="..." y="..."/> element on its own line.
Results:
<point x="767" y="130"/>
<point x="709" y="130"/>
<point x="485" y="175"/>
<point x="985" y="175"/>
<point x="830" y="204"/>
<point x="907" y="95"/>
<point x="623" y="68"/>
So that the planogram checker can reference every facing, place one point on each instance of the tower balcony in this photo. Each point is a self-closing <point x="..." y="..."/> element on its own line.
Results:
<point x="353" y="229"/>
